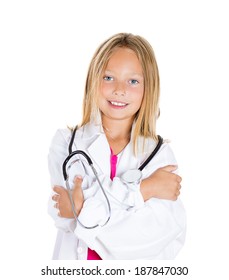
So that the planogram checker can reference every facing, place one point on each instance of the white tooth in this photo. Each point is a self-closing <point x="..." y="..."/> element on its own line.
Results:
<point x="117" y="103"/>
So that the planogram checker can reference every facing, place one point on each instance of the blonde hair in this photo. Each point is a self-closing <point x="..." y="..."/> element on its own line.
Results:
<point x="145" y="119"/>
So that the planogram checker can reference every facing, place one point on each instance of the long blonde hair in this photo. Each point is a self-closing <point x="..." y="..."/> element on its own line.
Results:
<point x="145" y="119"/>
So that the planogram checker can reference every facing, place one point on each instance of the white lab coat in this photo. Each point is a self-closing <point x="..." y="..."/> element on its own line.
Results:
<point x="154" y="229"/>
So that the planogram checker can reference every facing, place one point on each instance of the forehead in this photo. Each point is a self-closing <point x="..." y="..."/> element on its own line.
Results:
<point x="124" y="57"/>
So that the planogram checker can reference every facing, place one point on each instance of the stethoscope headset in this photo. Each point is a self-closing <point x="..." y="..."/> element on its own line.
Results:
<point x="132" y="176"/>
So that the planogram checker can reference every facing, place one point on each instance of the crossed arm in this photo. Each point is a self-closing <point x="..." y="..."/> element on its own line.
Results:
<point x="162" y="184"/>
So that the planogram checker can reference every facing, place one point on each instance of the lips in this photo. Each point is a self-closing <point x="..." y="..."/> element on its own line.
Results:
<point x="118" y="104"/>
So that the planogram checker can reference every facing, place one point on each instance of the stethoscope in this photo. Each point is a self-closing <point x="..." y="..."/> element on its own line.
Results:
<point x="132" y="176"/>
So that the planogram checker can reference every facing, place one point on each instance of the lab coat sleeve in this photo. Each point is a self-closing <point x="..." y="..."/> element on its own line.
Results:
<point x="119" y="193"/>
<point x="129" y="195"/>
<point x="57" y="154"/>
<point x="154" y="231"/>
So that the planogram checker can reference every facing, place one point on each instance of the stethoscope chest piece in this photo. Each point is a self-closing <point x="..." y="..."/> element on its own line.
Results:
<point x="132" y="176"/>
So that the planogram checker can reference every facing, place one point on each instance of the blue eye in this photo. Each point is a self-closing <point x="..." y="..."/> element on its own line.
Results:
<point x="108" y="78"/>
<point x="133" y="82"/>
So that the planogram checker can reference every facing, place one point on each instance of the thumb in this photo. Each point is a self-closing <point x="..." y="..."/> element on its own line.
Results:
<point x="77" y="182"/>
<point x="169" y="168"/>
<point x="77" y="192"/>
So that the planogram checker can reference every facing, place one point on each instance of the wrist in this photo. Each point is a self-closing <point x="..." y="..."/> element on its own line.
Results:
<point x="147" y="189"/>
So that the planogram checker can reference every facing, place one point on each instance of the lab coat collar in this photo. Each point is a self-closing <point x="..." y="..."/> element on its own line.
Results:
<point x="100" y="152"/>
<point x="92" y="139"/>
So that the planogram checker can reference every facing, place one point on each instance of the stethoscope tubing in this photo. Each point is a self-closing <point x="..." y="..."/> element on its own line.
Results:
<point x="160" y="142"/>
<point x="77" y="152"/>
<point x="64" y="168"/>
<point x="80" y="152"/>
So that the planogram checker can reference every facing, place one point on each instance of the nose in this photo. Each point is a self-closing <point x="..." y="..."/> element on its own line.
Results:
<point x="120" y="89"/>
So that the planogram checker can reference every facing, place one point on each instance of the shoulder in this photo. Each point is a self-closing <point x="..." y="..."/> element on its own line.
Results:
<point x="164" y="155"/>
<point x="87" y="134"/>
<point x="168" y="153"/>
<point x="61" y="137"/>
<point x="89" y="130"/>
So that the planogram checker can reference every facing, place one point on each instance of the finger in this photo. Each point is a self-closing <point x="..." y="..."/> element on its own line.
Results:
<point x="170" y="168"/>
<point x="56" y="205"/>
<point x="58" y="189"/>
<point x="55" y="197"/>
<point x="77" y="182"/>
<point x="179" y="179"/>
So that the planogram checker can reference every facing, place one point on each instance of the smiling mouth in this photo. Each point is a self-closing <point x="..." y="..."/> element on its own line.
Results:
<point x="118" y="104"/>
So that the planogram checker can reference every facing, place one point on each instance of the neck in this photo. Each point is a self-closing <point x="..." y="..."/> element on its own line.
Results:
<point x="117" y="133"/>
<point x="117" y="129"/>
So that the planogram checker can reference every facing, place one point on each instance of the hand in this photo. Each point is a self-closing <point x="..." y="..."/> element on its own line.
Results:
<point x="162" y="184"/>
<point x="63" y="202"/>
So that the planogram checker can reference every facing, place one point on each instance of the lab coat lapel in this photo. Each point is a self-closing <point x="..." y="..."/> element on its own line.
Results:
<point x="92" y="140"/>
<point x="127" y="160"/>
<point x="99" y="152"/>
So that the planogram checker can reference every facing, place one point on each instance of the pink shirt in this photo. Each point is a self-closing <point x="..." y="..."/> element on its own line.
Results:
<point x="92" y="255"/>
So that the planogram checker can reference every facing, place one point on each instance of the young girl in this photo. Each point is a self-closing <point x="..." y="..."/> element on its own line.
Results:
<point x="118" y="131"/>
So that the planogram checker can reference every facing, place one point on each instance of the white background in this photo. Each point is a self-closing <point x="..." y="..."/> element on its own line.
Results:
<point x="45" y="50"/>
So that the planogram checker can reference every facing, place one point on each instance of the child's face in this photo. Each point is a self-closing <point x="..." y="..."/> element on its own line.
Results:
<point x="122" y="87"/>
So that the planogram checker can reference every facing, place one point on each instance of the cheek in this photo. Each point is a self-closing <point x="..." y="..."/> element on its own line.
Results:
<point x="138" y="94"/>
<point x="105" y="89"/>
